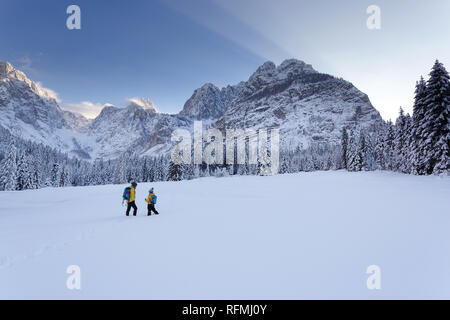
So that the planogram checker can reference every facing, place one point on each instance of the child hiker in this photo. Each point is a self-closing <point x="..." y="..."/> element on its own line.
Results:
<point x="151" y="200"/>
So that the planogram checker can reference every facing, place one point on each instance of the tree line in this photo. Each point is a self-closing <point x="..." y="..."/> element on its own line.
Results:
<point x="417" y="144"/>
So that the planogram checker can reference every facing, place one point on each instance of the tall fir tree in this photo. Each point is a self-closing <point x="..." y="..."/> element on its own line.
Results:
<point x="8" y="173"/>
<point x="389" y="146"/>
<point x="344" y="148"/>
<point x="24" y="172"/>
<point x="399" y="142"/>
<point x="352" y="152"/>
<point x="175" y="172"/>
<point x="436" y="120"/>
<point x="361" y="158"/>
<point x="380" y="148"/>
<point x="408" y="146"/>
<point x="419" y="109"/>
<point x="55" y="175"/>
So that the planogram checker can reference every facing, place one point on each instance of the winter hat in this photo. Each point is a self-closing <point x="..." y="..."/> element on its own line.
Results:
<point x="150" y="191"/>
<point x="134" y="184"/>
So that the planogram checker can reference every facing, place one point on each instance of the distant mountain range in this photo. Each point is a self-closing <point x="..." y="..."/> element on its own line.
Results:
<point x="307" y="106"/>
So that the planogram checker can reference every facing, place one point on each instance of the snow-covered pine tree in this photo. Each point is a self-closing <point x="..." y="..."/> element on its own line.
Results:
<point x="361" y="158"/>
<point x="189" y="171"/>
<point x="55" y="175"/>
<point x="24" y="172"/>
<point x="64" y="177"/>
<point x="399" y="142"/>
<point x="175" y="173"/>
<point x="144" y="171"/>
<point x="442" y="153"/>
<point x="344" y="148"/>
<point x="157" y="169"/>
<point x="119" y="174"/>
<point x="408" y="146"/>
<point x="284" y="162"/>
<point x="389" y="146"/>
<point x="107" y="172"/>
<point x="36" y="178"/>
<point x="419" y="109"/>
<point x="8" y="173"/>
<point x="436" y="120"/>
<point x="380" y="147"/>
<point x="151" y="170"/>
<point x="352" y="152"/>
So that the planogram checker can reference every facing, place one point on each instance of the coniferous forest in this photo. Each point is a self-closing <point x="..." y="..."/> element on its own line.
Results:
<point x="415" y="144"/>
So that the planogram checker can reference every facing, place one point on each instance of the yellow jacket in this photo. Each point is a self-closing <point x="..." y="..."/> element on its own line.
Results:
<point x="132" y="194"/>
<point x="149" y="198"/>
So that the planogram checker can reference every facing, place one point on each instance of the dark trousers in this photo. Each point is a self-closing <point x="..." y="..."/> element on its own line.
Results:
<point x="150" y="208"/>
<point x="131" y="205"/>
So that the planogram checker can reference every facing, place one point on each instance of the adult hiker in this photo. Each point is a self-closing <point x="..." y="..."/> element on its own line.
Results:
<point x="129" y="194"/>
<point x="151" y="200"/>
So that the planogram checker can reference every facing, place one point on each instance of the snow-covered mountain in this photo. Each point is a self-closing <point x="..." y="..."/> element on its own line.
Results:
<point x="140" y="129"/>
<point x="306" y="105"/>
<point x="209" y="102"/>
<point x="32" y="112"/>
<point x="76" y="121"/>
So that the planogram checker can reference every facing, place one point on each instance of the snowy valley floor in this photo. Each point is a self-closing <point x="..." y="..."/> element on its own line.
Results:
<point x="306" y="235"/>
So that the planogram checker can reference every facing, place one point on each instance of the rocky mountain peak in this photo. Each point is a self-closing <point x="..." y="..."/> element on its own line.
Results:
<point x="5" y="69"/>
<point x="205" y="103"/>
<point x="267" y="69"/>
<point x="270" y="72"/>
<point x="296" y="66"/>
<point x="9" y="72"/>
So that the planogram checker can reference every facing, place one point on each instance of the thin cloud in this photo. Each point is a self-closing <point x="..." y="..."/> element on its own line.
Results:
<point x="143" y="102"/>
<point x="86" y="108"/>
<point x="26" y="65"/>
<point x="48" y="93"/>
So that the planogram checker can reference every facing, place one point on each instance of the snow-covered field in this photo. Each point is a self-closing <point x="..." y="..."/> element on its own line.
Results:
<point x="306" y="235"/>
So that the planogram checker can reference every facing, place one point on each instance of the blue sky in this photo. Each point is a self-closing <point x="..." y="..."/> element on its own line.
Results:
<point x="164" y="49"/>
